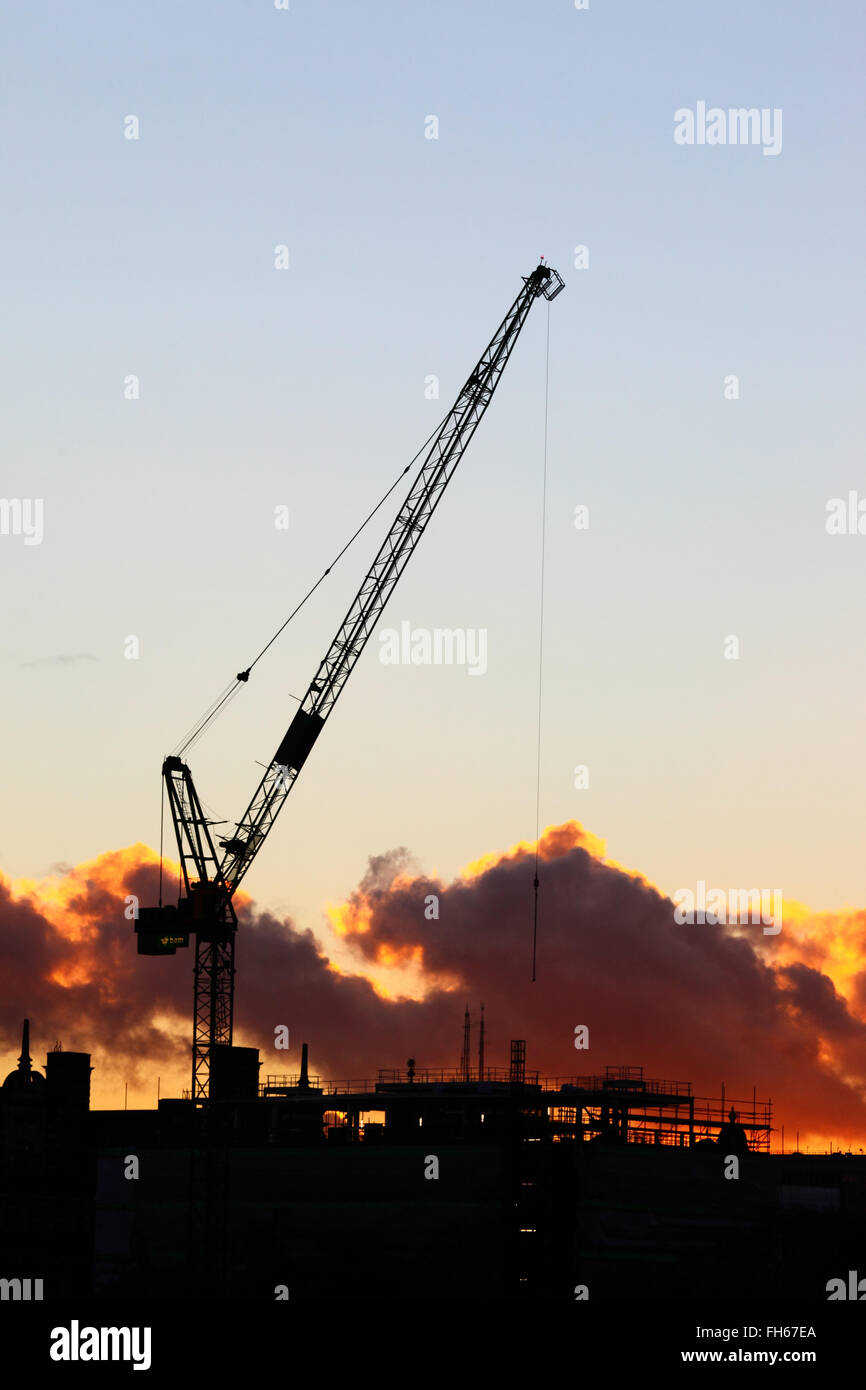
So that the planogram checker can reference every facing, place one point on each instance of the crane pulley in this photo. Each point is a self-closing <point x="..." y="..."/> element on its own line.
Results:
<point x="211" y="878"/>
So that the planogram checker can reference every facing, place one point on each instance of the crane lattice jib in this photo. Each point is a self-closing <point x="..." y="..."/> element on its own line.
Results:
<point x="206" y="908"/>
<point x="336" y="666"/>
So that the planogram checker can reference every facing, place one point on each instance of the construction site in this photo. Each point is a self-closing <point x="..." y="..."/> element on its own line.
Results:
<point x="423" y="1183"/>
<point x="486" y="1181"/>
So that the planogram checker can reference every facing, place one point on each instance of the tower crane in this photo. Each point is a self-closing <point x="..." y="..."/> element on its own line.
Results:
<point x="211" y="875"/>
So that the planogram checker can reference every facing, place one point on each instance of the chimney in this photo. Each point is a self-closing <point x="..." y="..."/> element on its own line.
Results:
<point x="25" y="1061"/>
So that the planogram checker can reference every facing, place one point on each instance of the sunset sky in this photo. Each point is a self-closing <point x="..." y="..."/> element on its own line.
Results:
<point x="305" y="388"/>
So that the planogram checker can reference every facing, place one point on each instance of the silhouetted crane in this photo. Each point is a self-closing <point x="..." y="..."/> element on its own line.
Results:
<point x="210" y="879"/>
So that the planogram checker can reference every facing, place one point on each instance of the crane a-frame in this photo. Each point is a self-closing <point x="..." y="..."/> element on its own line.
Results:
<point x="210" y="879"/>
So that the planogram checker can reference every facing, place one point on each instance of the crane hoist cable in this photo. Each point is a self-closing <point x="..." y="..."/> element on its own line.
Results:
<point x="540" y="649"/>
<point x="231" y="690"/>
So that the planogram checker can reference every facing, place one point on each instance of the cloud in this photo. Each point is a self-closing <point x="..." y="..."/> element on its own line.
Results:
<point x="63" y="659"/>
<point x="709" y="1004"/>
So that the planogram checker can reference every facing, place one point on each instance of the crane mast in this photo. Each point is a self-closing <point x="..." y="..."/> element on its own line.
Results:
<point x="210" y="879"/>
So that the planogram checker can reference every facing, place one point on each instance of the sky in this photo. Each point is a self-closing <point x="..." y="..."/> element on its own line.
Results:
<point x="307" y="388"/>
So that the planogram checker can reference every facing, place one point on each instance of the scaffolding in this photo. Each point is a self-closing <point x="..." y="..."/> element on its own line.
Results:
<point x="621" y="1104"/>
<point x="626" y="1106"/>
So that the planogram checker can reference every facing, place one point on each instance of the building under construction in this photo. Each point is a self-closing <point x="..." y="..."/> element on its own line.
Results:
<point x="478" y="1184"/>
<point x="417" y="1185"/>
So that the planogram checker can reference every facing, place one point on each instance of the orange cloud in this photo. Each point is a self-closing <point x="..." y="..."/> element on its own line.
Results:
<point x="699" y="1003"/>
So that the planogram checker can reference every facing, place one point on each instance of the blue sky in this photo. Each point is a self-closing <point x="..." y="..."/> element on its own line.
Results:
<point x="305" y="387"/>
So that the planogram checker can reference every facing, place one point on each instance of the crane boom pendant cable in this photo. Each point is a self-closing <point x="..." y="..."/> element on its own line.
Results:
<point x="540" y="651"/>
<point x="161" y="825"/>
<point x="227" y="695"/>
